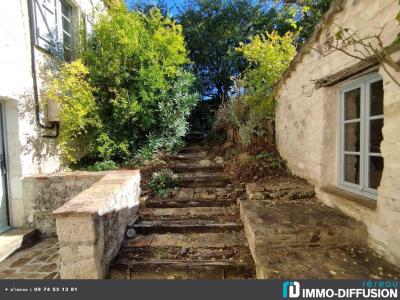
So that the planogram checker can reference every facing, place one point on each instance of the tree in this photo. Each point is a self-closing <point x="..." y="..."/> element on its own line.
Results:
<point x="213" y="29"/>
<point x="302" y="15"/>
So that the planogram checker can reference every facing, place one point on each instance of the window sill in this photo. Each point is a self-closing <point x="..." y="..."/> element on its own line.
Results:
<point x="352" y="197"/>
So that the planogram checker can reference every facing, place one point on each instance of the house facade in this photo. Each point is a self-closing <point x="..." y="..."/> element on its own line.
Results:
<point x="338" y="117"/>
<point x="37" y="37"/>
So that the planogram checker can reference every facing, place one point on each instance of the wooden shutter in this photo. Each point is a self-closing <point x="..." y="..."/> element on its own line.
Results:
<point x="46" y="32"/>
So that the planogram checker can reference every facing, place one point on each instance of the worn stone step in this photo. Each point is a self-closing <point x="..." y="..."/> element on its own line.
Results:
<point x="303" y="225"/>
<point x="194" y="168"/>
<point x="189" y="240"/>
<point x="177" y="269"/>
<point x="189" y="202"/>
<point x="185" y="225"/>
<point x="195" y="138"/>
<point x="189" y="212"/>
<point x="184" y="256"/>
<point x="193" y="148"/>
<point x="204" y="181"/>
<point x="193" y="155"/>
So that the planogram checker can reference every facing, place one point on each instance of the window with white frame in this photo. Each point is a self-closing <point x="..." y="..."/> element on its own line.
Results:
<point x="361" y="123"/>
<point x="54" y="27"/>
<point x="67" y="32"/>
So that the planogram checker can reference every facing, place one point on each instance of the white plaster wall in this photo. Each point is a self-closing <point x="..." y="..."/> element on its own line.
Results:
<point x="28" y="152"/>
<point x="307" y="124"/>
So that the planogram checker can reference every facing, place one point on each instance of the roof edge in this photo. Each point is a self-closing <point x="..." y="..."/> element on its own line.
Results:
<point x="336" y="7"/>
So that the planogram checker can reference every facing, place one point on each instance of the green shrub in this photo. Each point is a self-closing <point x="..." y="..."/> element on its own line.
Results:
<point x="268" y="56"/>
<point x="162" y="182"/>
<point x="108" y="165"/>
<point x="131" y="96"/>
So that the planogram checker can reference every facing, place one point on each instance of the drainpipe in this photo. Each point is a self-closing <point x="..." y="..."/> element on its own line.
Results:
<point x="50" y="125"/>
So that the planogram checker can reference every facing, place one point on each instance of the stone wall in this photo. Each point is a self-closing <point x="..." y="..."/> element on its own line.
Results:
<point x="307" y="121"/>
<point x="45" y="193"/>
<point x="91" y="226"/>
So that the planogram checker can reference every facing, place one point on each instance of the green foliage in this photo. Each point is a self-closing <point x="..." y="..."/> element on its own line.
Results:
<point x="107" y="165"/>
<point x="213" y="29"/>
<point x="78" y="110"/>
<point x="138" y="96"/>
<point x="269" y="56"/>
<point x="162" y="182"/>
<point x="224" y="24"/>
<point x="302" y="15"/>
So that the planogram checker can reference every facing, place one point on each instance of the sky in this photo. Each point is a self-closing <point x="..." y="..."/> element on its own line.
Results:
<point x="172" y="4"/>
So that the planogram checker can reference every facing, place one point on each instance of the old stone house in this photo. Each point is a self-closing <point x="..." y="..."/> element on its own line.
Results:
<point x="338" y="118"/>
<point x="36" y="35"/>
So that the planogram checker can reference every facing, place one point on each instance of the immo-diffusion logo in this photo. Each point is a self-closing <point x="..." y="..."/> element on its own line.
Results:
<point x="380" y="289"/>
<point x="291" y="289"/>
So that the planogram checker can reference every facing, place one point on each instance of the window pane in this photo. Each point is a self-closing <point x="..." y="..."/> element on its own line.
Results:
<point x="375" y="171"/>
<point x="67" y="41"/>
<point x="352" y="137"/>
<point x="352" y="168"/>
<point x="376" y="91"/>
<point x="352" y="104"/>
<point x="67" y="26"/>
<point x="66" y="10"/>
<point x="375" y="135"/>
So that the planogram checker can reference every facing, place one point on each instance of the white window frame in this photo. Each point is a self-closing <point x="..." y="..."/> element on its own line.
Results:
<point x="56" y="45"/>
<point x="71" y="34"/>
<point x="363" y="187"/>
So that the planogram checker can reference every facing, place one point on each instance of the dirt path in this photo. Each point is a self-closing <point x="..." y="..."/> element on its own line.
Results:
<point x="196" y="234"/>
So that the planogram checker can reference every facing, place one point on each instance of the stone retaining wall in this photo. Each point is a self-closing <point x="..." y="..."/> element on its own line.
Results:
<point x="91" y="226"/>
<point x="45" y="193"/>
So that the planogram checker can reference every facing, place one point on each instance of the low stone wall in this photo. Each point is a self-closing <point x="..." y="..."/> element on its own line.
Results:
<point x="91" y="226"/>
<point x="45" y="193"/>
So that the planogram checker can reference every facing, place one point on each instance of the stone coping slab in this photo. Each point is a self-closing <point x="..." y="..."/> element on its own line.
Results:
<point x="100" y="196"/>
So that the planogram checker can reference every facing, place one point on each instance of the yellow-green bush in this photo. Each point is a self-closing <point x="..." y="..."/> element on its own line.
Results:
<point x="269" y="56"/>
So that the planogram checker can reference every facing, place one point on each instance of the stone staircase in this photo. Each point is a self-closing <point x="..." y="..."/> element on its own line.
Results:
<point x="196" y="234"/>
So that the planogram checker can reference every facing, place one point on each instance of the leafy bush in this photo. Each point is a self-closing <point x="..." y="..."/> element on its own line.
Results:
<point x="131" y="96"/>
<point x="269" y="56"/>
<point x="78" y="110"/>
<point x="108" y="165"/>
<point x="162" y="182"/>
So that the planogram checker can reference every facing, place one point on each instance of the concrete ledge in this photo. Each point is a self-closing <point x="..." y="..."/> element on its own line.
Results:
<point x="91" y="226"/>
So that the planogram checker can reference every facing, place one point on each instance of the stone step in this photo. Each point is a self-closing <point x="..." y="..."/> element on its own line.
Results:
<point x="188" y="212"/>
<point x="174" y="224"/>
<point x="184" y="256"/>
<point x="193" y="155"/>
<point x="189" y="202"/>
<point x="195" y="168"/>
<point x="156" y="268"/>
<point x="195" y="138"/>
<point x="297" y="225"/>
<point x="189" y="240"/>
<point x="217" y="180"/>
<point x="193" y="148"/>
